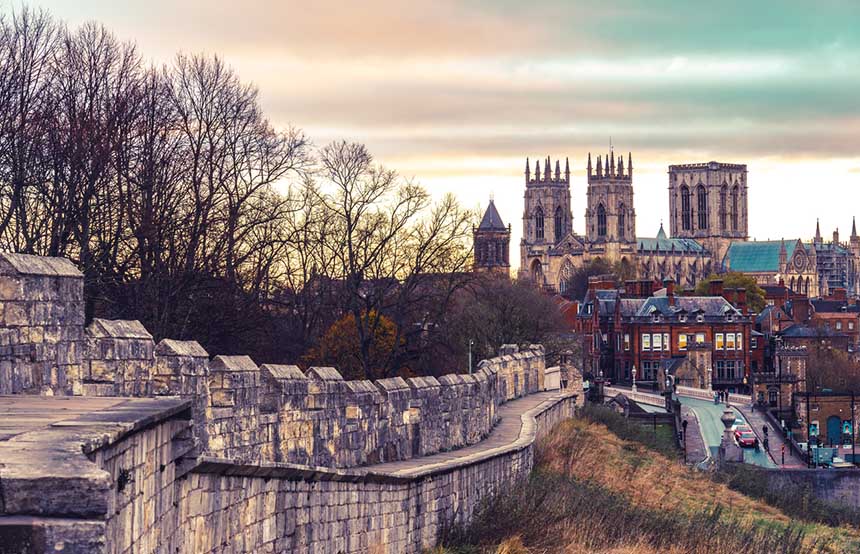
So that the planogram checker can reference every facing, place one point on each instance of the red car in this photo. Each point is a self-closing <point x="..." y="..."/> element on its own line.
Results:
<point x="745" y="437"/>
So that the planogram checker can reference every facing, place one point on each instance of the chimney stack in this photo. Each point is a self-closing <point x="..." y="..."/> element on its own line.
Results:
<point x="669" y="284"/>
<point x="716" y="287"/>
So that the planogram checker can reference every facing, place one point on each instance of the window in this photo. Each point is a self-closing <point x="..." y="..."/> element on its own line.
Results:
<point x="740" y="341"/>
<point x="700" y="338"/>
<point x="621" y="222"/>
<point x="539" y="223"/>
<point x="682" y="341"/>
<point x="646" y="342"/>
<point x="682" y="318"/>
<point x="735" y="196"/>
<point x="723" y="194"/>
<point x="754" y="343"/>
<point x="666" y="345"/>
<point x="700" y="318"/>
<point x="730" y="341"/>
<point x="718" y="341"/>
<point x="626" y="342"/>
<point x="838" y="325"/>
<point x="850" y="325"/>
<point x="601" y="221"/>
<point x="657" y="342"/>
<point x="702" y="200"/>
<point x="686" y="209"/>
<point x="559" y="224"/>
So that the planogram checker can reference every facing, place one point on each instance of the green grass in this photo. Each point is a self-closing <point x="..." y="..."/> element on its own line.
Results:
<point x="660" y="439"/>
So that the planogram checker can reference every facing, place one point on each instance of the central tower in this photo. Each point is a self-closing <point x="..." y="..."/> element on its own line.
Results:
<point x="610" y="220"/>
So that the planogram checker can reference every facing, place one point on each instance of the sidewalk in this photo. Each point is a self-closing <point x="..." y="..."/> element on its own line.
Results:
<point x="757" y="421"/>
<point x="697" y="451"/>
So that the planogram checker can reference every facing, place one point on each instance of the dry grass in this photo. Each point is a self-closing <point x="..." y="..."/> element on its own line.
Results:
<point x="594" y="493"/>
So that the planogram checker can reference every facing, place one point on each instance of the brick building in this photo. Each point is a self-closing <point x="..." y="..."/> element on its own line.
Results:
<point x="702" y="341"/>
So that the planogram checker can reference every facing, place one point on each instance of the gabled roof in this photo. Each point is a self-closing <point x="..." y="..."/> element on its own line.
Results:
<point x="757" y="256"/>
<point x="707" y="305"/>
<point x="664" y="244"/>
<point x="492" y="221"/>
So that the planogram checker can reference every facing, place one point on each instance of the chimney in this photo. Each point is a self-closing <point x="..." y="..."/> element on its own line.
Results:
<point x="801" y="309"/>
<point x="840" y="294"/>
<point x="716" y="287"/>
<point x="669" y="284"/>
<point x="742" y="299"/>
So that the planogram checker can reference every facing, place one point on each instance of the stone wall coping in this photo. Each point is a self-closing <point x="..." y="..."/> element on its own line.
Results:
<point x="232" y="363"/>
<point x="362" y="387"/>
<point x="283" y="372"/>
<point x="325" y="374"/>
<point x="452" y="379"/>
<point x="46" y="468"/>
<point x="118" y="329"/>
<point x="391" y="384"/>
<point x="424" y="382"/>
<point x="27" y="264"/>
<point x="173" y="347"/>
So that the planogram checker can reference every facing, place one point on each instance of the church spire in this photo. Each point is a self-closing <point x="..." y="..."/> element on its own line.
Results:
<point x="537" y="171"/>
<point x="589" y="165"/>
<point x="854" y="228"/>
<point x="783" y="256"/>
<point x="528" y="170"/>
<point x="566" y="170"/>
<point x="611" y="161"/>
<point x="557" y="170"/>
<point x="599" y="168"/>
<point x="817" y="232"/>
<point x="629" y="165"/>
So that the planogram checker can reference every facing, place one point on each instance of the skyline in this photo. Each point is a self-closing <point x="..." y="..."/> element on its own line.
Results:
<point x="457" y="95"/>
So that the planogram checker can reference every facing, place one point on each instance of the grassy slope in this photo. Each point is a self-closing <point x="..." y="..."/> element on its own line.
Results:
<point x="595" y="492"/>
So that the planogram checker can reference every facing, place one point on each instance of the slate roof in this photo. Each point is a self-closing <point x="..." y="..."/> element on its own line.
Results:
<point x="492" y="221"/>
<point x="664" y="244"/>
<point x="714" y="306"/>
<point x="834" y="306"/>
<point x="806" y="331"/>
<point x="756" y="256"/>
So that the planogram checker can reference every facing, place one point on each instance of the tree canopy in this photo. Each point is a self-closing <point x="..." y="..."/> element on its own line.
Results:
<point x="732" y="280"/>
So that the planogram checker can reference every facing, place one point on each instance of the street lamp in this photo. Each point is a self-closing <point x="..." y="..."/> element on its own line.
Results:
<point x="634" y="378"/>
<point x="710" y="381"/>
<point x="471" y="343"/>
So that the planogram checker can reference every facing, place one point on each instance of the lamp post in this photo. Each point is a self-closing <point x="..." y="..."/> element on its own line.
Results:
<point x="471" y="343"/>
<point x="778" y="342"/>
<point x="634" y="378"/>
<point x="710" y="380"/>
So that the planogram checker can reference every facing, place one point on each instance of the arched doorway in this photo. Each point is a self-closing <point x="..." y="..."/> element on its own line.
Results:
<point x="536" y="271"/>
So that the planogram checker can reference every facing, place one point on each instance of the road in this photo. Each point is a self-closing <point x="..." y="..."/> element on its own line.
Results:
<point x="709" y="415"/>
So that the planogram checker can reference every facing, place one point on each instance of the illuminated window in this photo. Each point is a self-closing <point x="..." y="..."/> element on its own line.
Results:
<point x="646" y="342"/>
<point x="718" y="341"/>
<point x="682" y="341"/>
<point x="730" y="341"/>
<point x="657" y="343"/>
<point x="740" y="341"/>
<point x="700" y="338"/>
<point x="666" y="345"/>
<point x="626" y="342"/>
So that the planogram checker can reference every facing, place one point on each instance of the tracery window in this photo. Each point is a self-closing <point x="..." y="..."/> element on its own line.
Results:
<point x="601" y="221"/>
<point x="702" y="198"/>
<point x="686" y="211"/>
<point x="539" y="223"/>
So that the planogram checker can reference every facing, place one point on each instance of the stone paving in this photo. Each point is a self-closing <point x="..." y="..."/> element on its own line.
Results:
<point x="511" y="427"/>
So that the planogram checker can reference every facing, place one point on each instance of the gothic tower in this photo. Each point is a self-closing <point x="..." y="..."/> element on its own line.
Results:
<point x="708" y="202"/>
<point x="547" y="217"/>
<point x="610" y="220"/>
<point x="492" y="242"/>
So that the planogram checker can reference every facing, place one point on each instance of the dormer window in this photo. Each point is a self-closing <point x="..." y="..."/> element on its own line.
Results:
<point x="682" y="318"/>
<point x="700" y="318"/>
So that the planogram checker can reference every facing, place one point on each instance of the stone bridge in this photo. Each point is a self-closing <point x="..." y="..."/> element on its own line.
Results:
<point x="112" y="443"/>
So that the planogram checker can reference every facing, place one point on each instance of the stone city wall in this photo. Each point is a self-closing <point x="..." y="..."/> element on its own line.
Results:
<point x="243" y="412"/>
<point x="221" y="506"/>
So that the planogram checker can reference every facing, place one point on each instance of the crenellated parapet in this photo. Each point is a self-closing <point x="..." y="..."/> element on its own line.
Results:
<point x="244" y="412"/>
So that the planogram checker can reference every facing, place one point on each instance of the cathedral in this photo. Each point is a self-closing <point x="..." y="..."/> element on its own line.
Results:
<point x="708" y="206"/>
<point x="708" y="232"/>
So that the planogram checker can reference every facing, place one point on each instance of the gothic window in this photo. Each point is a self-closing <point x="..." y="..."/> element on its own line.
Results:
<point x="702" y="198"/>
<point x="686" y="211"/>
<point x="559" y="224"/>
<point x="539" y="223"/>
<point x="621" y="221"/>
<point x="723" y="194"/>
<point x="601" y="221"/>
<point x="735" y="196"/>
<point x="565" y="276"/>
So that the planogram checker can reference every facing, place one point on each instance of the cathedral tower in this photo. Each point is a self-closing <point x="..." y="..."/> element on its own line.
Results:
<point x="708" y="202"/>
<point x="547" y="216"/>
<point x="492" y="241"/>
<point x="610" y="220"/>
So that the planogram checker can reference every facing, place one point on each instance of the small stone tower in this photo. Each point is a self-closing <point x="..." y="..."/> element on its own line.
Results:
<point x="547" y="216"/>
<point x="610" y="220"/>
<point x="492" y="241"/>
<point x="708" y="202"/>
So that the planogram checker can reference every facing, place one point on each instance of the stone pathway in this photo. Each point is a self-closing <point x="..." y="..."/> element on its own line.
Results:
<point x="757" y="421"/>
<point x="504" y="435"/>
<point x="697" y="451"/>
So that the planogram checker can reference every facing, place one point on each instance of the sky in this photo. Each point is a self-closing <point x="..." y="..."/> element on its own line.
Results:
<point x="457" y="94"/>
